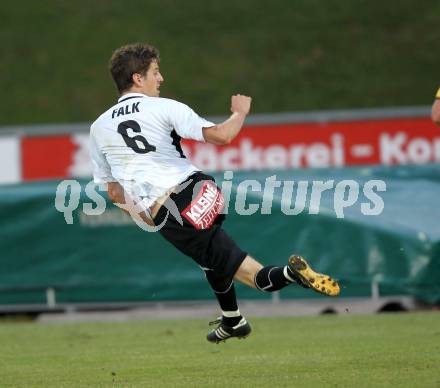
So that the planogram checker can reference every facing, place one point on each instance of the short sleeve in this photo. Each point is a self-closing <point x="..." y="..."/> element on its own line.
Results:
<point x="187" y="123"/>
<point x="101" y="168"/>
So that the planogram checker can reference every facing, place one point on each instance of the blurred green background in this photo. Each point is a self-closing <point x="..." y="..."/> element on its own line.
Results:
<point x="290" y="55"/>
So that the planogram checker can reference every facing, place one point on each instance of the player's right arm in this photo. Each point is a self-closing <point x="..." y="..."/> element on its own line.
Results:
<point x="435" y="112"/>
<point x="226" y="131"/>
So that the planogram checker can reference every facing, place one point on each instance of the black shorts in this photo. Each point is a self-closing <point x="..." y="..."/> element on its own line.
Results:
<point x="200" y="235"/>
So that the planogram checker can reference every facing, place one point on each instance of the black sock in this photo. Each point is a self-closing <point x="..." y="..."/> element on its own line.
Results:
<point x="272" y="278"/>
<point x="224" y="291"/>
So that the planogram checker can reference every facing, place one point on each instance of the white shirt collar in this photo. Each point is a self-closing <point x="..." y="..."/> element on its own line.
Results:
<point x="130" y="95"/>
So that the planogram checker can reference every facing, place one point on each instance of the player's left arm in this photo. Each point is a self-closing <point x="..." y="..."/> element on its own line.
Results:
<point x="115" y="192"/>
<point x="118" y="196"/>
<point x="435" y="112"/>
<point x="101" y="169"/>
<point x="102" y="175"/>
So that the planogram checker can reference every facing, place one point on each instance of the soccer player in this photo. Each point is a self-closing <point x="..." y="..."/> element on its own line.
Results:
<point x="435" y="112"/>
<point x="135" y="149"/>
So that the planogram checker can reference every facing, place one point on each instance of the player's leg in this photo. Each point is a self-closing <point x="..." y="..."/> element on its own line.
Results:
<point x="223" y="257"/>
<point x="247" y="271"/>
<point x="213" y="250"/>
<point x="271" y="278"/>
<point x="244" y="268"/>
<point x="231" y="323"/>
<point x="224" y="290"/>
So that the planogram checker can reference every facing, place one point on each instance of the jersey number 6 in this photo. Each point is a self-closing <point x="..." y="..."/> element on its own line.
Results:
<point x="134" y="142"/>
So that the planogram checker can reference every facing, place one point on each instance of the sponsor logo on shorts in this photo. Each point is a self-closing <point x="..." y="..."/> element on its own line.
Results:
<point x="204" y="209"/>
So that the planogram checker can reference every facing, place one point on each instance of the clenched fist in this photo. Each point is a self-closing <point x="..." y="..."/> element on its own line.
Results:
<point x="240" y="104"/>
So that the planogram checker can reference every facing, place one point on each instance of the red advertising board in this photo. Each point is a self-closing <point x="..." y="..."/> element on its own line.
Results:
<point x="46" y="156"/>
<point x="274" y="146"/>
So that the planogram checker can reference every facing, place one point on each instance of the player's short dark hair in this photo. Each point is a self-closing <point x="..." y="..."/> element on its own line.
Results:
<point x="130" y="59"/>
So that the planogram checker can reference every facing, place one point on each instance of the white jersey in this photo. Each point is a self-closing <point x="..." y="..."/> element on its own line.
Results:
<point x="137" y="143"/>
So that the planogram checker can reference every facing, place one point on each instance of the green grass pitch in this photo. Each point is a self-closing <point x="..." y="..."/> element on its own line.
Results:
<point x="401" y="350"/>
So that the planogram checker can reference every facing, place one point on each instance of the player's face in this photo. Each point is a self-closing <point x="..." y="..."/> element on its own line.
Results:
<point x="152" y="80"/>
